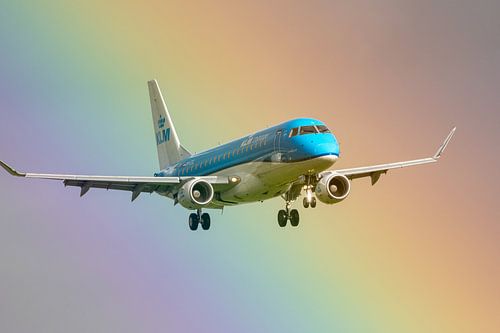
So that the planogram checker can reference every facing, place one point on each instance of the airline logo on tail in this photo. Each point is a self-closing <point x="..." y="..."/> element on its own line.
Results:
<point x="163" y="135"/>
<point x="161" y="122"/>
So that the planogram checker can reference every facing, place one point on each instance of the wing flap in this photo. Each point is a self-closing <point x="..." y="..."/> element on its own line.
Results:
<point x="380" y="168"/>
<point x="110" y="179"/>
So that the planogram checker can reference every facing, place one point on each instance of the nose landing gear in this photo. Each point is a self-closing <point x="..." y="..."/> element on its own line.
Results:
<point x="309" y="199"/>
<point x="198" y="218"/>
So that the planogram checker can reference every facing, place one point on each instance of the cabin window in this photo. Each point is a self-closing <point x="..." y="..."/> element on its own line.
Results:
<point x="308" y="130"/>
<point x="323" y="129"/>
<point x="294" y="132"/>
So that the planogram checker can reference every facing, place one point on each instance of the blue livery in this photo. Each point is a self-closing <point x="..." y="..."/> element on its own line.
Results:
<point x="292" y="141"/>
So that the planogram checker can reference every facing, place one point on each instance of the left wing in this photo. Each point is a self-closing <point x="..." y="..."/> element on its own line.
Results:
<point x="136" y="185"/>
<point x="375" y="171"/>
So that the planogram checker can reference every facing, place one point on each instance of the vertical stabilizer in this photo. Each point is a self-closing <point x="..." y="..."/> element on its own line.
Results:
<point x="169" y="147"/>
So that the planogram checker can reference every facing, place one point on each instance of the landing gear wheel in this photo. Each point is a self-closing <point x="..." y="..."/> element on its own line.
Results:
<point x="193" y="221"/>
<point x="205" y="221"/>
<point x="306" y="203"/>
<point x="294" y="217"/>
<point x="282" y="218"/>
<point x="313" y="203"/>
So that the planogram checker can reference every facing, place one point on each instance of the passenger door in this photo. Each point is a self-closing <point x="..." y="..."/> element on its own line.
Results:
<point x="277" y="146"/>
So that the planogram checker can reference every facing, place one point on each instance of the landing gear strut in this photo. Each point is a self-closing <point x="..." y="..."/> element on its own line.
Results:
<point x="309" y="199"/>
<point x="198" y="218"/>
<point x="285" y="215"/>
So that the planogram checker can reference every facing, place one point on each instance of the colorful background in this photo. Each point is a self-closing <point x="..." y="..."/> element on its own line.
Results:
<point x="418" y="252"/>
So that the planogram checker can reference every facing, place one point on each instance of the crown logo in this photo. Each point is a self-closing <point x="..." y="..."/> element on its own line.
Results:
<point x="161" y="122"/>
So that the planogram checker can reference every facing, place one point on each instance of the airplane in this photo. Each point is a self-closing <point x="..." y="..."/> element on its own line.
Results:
<point x="285" y="160"/>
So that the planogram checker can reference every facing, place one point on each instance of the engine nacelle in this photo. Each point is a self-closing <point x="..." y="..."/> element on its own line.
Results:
<point x="332" y="188"/>
<point x="196" y="193"/>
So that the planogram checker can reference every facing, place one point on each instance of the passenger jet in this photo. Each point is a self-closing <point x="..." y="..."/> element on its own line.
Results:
<point x="287" y="160"/>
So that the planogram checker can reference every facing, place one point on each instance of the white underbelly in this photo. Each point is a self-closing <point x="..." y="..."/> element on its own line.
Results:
<point x="265" y="180"/>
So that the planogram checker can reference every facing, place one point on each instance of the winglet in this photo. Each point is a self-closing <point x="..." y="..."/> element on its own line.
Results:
<point x="11" y="170"/>
<point x="445" y="143"/>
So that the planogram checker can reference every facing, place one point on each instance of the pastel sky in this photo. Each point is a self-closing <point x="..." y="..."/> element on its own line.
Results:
<point x="418" y="252"/>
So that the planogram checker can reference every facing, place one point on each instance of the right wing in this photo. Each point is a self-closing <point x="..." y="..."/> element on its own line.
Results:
<point x="136" y="185"/>
<point x="375" y="171"/>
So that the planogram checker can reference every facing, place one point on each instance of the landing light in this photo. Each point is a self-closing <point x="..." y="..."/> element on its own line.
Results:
<point x="234" y="179"/>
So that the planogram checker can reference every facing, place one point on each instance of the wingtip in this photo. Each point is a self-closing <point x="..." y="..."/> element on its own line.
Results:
<point x="444" y="144"/>
<point x="11" y="170"/>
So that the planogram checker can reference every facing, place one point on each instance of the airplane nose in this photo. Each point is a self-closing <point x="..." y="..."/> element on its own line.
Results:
<point x="329" y="148"/>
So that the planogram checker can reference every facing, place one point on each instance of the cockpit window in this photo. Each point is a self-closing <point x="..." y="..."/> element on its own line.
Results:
<point x="308" y="130"/>
<point x="294" y="131"/>
<point x="323" y="129"/>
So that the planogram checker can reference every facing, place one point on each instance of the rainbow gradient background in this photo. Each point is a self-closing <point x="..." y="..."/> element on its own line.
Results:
<point x="418" y="252"/>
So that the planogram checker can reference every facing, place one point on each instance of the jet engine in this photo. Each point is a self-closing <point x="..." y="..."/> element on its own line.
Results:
<point x="196" y="193"/>
<point x="332" y="188"/>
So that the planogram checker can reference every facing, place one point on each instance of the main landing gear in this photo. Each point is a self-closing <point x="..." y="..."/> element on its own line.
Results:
<point x="285" y="215"/>
<point x="292" y="215"/>
<point x="198" y="218"/>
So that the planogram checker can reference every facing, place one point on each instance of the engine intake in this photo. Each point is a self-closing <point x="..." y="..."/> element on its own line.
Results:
<point x="333" y="188"/>
<point x="196" y="193"/>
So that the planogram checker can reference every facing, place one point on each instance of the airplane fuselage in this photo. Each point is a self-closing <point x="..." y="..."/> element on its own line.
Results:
<point x="266" y="162"/>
